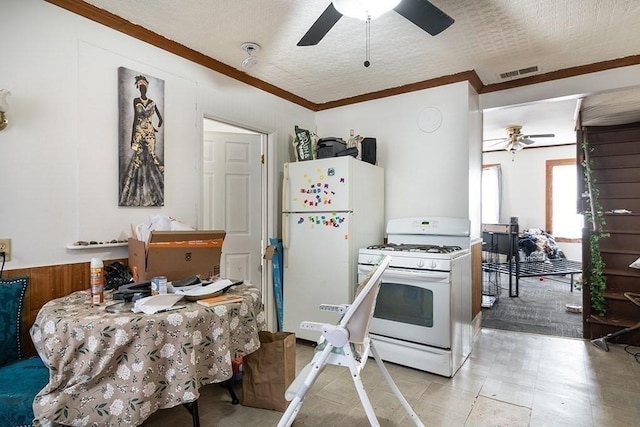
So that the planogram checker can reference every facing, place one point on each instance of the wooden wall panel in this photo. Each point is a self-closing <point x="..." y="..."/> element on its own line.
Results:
<point x="615" y="160"/>
<point x="48" y="283"/>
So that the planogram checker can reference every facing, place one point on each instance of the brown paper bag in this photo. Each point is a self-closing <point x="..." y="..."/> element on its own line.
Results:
<point x="268" y="372"/>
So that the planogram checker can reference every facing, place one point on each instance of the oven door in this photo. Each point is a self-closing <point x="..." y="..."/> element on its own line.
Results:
<point x="413" y="305"/>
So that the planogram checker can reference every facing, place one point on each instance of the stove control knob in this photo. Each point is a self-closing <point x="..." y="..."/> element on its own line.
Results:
<point x="420" y="263"/>
<point x="434" y="264"/>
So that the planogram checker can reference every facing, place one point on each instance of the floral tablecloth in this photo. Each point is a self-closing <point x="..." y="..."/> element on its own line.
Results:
<point x="110" y="369"/>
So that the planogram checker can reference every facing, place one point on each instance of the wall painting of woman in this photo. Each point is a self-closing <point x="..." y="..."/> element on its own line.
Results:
<point x="141" y="139"/>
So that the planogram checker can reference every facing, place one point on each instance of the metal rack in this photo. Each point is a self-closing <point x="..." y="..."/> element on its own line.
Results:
<point x="490" y="277"/>
<point x="502" y="240"/>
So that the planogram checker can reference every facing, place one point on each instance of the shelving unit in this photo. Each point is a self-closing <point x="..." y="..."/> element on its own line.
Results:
<point x="96" y="246"/>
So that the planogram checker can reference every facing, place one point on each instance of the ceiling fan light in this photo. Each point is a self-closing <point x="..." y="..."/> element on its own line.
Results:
<point x="517" y="146"/>
<point x="364" y="9"/>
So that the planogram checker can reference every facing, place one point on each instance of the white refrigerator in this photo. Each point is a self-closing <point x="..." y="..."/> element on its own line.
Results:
<point x="331" y="208"/>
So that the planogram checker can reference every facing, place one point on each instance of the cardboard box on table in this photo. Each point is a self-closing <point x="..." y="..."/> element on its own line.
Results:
<point x="176" y="254"/>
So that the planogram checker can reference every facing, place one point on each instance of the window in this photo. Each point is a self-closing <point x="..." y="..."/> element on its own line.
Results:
<point x="491" y="194"/>
<point x="562" y="219"/>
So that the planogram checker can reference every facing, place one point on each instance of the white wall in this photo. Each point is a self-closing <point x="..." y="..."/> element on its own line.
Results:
<point x="58" y="157"/>
<point x="475" y="165"/>
<point x="426" y="173"/>
<point x="58" y="167"/>
<point x="524" y="187"/>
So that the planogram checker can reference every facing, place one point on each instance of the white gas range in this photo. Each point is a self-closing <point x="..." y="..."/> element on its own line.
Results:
<point x="423" y="312"/>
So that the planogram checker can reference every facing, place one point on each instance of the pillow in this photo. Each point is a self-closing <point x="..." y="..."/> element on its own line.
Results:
<point x="12" y="293"/>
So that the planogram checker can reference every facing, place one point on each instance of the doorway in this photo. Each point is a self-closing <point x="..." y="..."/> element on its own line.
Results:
<point x="234" y="197"/>
<point x="519" y="177"/>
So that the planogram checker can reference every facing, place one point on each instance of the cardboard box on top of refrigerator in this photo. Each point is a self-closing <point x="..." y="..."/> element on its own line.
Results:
<point x="176" y="254"/>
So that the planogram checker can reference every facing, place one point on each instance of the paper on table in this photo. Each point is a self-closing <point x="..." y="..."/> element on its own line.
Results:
<point x="173" y="289"/>
<point x="156" y="303"/>
<point x="214" y="287"/>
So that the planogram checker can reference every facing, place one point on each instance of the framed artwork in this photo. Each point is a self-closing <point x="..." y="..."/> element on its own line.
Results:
<point x="141" y="139"/>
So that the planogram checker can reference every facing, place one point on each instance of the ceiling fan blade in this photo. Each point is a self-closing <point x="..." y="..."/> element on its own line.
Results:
<point x="425" y="15"/>
<point x="321" y="27"/>
<point x="542" y="135"/>
<point x="526" y="141"/>
<point x="495" y="144"/>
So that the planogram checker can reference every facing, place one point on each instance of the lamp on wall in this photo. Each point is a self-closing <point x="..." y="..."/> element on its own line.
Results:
<point x="4" y="107"/>
<point x="364" y="9"/>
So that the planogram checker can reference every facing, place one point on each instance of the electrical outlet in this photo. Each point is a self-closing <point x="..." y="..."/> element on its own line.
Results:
<point x="5" y="246"/>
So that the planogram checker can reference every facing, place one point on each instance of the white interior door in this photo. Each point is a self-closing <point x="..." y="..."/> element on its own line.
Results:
<point x="232" y="200"/>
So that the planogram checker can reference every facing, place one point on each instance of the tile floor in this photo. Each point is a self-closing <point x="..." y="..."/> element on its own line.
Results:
<point x="510" y="379"/>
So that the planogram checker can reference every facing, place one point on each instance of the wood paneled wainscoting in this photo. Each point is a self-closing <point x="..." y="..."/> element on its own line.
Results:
<point x="47" y="283"/>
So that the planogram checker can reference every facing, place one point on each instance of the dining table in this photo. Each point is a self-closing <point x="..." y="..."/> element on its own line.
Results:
<point x="116" y="369"/>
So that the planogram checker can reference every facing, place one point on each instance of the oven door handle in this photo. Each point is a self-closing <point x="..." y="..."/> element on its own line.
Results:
<point x="422" y="275"/>
<point x="429" y="275"/>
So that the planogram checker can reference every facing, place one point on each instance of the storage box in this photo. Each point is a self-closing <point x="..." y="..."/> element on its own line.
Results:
<point x="176" y="254"/>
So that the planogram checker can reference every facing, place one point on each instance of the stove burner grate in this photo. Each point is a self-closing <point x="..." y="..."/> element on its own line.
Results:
<point x="405" y="247"/>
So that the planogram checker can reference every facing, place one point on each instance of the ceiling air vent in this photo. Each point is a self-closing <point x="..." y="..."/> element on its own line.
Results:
<point x="516" y="73"/>
<point x="528" y="70"/>
<point x="509" y="74"/>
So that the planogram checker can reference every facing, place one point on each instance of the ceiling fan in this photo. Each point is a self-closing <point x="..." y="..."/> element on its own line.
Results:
<point x="421" y="12"/>
<point x="515" y="139"/>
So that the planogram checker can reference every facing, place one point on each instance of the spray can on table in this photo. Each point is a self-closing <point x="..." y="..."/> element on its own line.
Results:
<point x="97" y="281"/>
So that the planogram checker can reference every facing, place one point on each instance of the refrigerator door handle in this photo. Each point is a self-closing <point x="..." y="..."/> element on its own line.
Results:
<point x="285" y="217"/>
<point x="285" y="240"/>
<point x="285" y="189"/>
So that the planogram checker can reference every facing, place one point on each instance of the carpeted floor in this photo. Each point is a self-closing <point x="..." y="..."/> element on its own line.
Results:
<point x="540" y="308"/>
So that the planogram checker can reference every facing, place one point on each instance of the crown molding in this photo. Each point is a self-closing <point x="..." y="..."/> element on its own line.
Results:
<point x="136" y="31"/>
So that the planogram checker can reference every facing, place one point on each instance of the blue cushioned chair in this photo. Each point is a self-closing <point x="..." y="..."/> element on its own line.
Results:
<point x="20" y="379"/>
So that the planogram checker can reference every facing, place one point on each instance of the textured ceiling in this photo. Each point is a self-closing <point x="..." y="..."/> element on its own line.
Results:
<point x="488" y="36"/>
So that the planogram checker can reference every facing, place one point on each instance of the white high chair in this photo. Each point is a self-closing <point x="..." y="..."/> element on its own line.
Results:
<point x="340" y="342"/>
